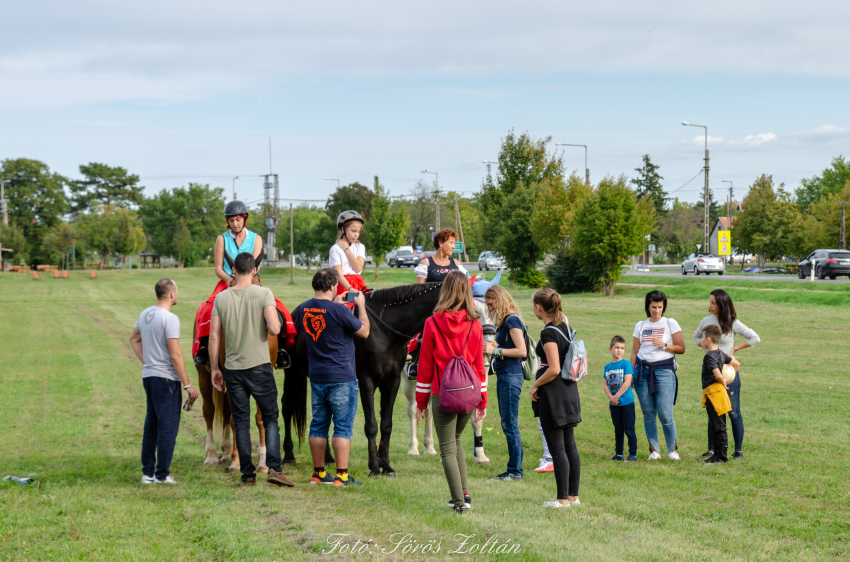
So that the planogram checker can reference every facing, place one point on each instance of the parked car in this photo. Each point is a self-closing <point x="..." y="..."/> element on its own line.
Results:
<point x="368" y="260"/>
<point x="775" y="271"/>
<point x="638" y="267"/>
<point x="490" y="260"/>
<point x="741" y="258"/>
<point x="424" y="255"/>
<point x="703" y="263"/>
<point x="402" y="258"/>
<point x="301" y="259"/>
<point x="754" y="269"/>
<point x="389" y="256"/>
<point x="829" y="263"/>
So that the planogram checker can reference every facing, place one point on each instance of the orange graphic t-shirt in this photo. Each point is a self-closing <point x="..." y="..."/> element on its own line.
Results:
<point x="330" y="329"/>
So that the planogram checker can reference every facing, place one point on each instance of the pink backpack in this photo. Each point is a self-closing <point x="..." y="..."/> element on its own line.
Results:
<point x="460" y="389"/>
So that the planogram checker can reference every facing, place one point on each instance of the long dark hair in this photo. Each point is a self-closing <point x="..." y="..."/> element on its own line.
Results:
<point x="726" y="315"/>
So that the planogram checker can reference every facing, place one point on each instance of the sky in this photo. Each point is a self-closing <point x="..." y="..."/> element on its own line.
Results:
<point x="183" y="91"/>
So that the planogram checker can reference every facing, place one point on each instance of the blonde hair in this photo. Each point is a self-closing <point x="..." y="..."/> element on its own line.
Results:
<point x="505" y="304"/>
<point x="550" y="301"/>
<point x="456" y="295"/>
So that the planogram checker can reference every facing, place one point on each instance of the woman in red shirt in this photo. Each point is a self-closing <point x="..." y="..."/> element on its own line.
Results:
<point x="454" y="317"/>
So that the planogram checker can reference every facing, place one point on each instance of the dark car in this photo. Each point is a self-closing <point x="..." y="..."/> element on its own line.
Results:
<point x="403" y="258"/>
<point x="754" y="269"/>
<point x="827" y="263"/>
<point x="775" y="271"/>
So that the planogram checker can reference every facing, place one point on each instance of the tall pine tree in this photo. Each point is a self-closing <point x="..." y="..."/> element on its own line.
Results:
<point x="648" y="185"/>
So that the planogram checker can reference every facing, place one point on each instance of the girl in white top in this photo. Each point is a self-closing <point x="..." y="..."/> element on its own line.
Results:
<point x="348" y="256"/>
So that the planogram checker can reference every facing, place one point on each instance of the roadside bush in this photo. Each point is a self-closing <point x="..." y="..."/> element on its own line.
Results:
<point x="533" y="279"/>
<point x="567" y="275"/>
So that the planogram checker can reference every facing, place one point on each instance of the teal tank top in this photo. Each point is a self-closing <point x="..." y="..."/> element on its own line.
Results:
<point x="233" y="251"/>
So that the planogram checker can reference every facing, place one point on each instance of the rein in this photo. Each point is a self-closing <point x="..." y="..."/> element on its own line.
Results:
<point x="387" y="326"/>
<point x="380" y="320"/>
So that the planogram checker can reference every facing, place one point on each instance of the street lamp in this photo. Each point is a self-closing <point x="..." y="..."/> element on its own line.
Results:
<point x="234" y="187"/>
<point x="586" y="170"/>
<point x="334" y="179"/>
<point x="705" y="195"/>
<point x="436" y="195"/>
<point x="4" y="201"/>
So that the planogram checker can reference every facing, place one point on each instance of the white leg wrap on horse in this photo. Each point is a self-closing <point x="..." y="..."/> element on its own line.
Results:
<point x="210" y="450"/>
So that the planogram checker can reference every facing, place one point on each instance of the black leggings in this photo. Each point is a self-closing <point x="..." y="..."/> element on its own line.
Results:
<point x="562" y="447"/>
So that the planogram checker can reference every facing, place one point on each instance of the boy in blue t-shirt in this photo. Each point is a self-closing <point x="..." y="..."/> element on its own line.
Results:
<point x="618" y="387"/>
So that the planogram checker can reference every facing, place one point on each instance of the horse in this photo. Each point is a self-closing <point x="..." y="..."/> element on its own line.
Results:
<point x="216" y="404"/>
<point x="395" y="315"/>
<point x="409" y="388"/>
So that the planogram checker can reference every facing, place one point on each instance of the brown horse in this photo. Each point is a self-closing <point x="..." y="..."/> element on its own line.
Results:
<point x="216" y="404"/>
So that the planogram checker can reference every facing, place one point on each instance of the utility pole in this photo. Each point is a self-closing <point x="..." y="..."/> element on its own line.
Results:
<point x="4" y="202"/>
<point x="291" y="246"/>
<point x="436" y="196"/>
<point x="460" y="229"/>
<point x="706" y="227"/>
<point x="842" y="245"/>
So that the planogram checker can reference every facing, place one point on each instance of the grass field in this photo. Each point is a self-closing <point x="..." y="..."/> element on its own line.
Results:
<point x="73" y="409"/>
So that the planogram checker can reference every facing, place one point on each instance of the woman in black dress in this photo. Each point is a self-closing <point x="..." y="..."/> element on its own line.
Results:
<point x="555" y="400"/>
<point x="435" y="268"/>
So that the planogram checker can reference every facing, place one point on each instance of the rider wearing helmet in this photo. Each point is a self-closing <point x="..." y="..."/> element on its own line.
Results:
<point x="236" y="240"/>
<point x="348" y="256"/>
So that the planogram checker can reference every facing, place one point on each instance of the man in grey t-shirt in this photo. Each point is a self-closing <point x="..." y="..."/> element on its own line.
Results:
<point x="156" y="341"/>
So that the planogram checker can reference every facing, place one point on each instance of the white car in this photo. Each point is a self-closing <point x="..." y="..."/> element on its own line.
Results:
<point x="703" y="263"/>
<point x="741" y="258"/>
<point x="490" y="260"/>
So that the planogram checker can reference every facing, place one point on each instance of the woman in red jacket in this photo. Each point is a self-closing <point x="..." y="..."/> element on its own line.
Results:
<point x="454" y="317"/>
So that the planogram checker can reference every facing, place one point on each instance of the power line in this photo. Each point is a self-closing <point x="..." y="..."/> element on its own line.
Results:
<point x="686" y="183"/>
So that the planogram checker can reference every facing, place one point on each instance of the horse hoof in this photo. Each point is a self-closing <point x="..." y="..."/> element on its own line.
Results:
<point x="431" y="452"/>
<point x="373" y="473"/>
<point x="390" y="474"/>
<point x="487" y="462"/>
<point x="288" y="462"/>
<point x="413" y="452"/>
<point x="211" y="461"/>
<point x="265" y="469"/>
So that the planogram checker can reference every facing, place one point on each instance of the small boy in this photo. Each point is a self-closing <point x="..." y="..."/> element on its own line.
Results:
<point x="621" y="401"/>
<point x="715" y="399"/>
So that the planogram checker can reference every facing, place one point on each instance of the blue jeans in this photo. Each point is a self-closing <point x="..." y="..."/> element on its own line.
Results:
<point x="508" y="391"/>
<point x="161" y="424"/>
<point x="735" y="417"/>
<point x="334" y="401"/>
<point x="258" y="382"/>
<point x="659" y="404"/>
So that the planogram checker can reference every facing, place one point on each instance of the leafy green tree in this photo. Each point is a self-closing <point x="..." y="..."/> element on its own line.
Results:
<point x="386" y="226"/>
<point x="714" y="210"/>
<point x="36" y="201"/>
<point x="202" y="209"/>
<point x="106" y="185"/>
<point x="507" y="201"/>
<point x="182" y="239"/>
<point x="12" y="238"/>
<point x="421" y="211"/>
<point x="57" y="241"/>
<point x="770" y="225"/>
<point x="648" y="185"/>
<point x="569" y="274"/>
<point x="314" y="232"/>
<point x="823" y="221"/>
<point x="830" y="182"/>
<point x="554" y="209"/>
<point x="679" y="231"/>
<point x="609" y="227"/>
<point x="110" y="231"/>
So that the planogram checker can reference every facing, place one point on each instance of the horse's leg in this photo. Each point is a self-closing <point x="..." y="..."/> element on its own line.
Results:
<point x="409" y="388"/>
<point x="286" y="410"/>
<point x="428" y="437"/>
<point x="208" y="407"/>
<point x="389" y="392"/>
<point x="478" y="443"/>
<point x="228" y="442"/>
<point x="261" y="448"/>
<point x="370" y="427"/>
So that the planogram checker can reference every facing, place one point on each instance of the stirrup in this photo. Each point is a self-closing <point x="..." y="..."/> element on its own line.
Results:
<point x="202" y="357"/>
<point x="284" y="361"/>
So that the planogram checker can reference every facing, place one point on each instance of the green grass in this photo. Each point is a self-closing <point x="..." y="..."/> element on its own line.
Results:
<point x="73" y="408"/>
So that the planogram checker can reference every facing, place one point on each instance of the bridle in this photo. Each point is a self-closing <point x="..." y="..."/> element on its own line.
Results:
<point x="380" y="320"/>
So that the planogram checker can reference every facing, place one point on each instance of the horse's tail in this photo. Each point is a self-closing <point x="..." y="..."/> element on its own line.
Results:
<point x="295" y="395"/>
<point x="218" y="417"/>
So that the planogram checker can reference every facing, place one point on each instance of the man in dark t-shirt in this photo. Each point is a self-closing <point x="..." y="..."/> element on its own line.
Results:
<point x="330" y="328"/>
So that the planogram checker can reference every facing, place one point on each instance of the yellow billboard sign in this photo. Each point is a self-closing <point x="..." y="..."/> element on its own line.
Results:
<point x="724" y="243"/>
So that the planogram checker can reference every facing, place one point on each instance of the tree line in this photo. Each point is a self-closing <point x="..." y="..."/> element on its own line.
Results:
<point x="527" y="207"/>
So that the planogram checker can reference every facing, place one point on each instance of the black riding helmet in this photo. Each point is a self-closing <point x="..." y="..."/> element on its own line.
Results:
<point x="348" y="216"/>
<point x="235" y="208"/>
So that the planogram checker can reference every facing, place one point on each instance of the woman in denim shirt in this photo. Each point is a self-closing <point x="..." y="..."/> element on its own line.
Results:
<point x="655" y="341"/>
<point x="507" y="351"/>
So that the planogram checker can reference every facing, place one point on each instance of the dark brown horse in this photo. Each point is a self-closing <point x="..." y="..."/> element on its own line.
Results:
<point x="395" y="316"/>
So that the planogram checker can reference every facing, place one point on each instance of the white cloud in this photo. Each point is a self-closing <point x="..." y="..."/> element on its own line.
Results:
<point x="711" y="140"/>
<point x="754" y="140"/>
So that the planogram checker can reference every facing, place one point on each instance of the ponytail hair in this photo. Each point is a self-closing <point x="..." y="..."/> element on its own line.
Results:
<point x="550" y="301"/>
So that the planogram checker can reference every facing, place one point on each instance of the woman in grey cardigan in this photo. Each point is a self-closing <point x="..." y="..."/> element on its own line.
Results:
<point x="723" y="314"/>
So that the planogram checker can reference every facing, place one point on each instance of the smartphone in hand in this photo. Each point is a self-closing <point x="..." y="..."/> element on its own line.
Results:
<point x="351" y="297"/>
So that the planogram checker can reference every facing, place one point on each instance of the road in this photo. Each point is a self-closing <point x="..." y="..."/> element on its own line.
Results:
<point x="729" y="276"/>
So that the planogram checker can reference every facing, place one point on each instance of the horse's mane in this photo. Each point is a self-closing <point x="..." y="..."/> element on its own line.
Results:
<point x="401" y="294"/>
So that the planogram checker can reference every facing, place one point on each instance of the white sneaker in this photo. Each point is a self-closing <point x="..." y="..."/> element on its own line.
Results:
<point x="452" y="505"/>
<point x="168" y="480"/>
<point x="654" y="456"/>
<point x="673" y="456"/>
<point x="555" y="504"/>
<point x="577" y="502"/>
<point x="545" y="466"/>
<point x="148" y="479"/>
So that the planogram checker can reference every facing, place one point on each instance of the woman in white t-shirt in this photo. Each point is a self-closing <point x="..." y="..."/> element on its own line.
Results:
<point x="348" y="256"/>
<point x="655" y="341"/>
